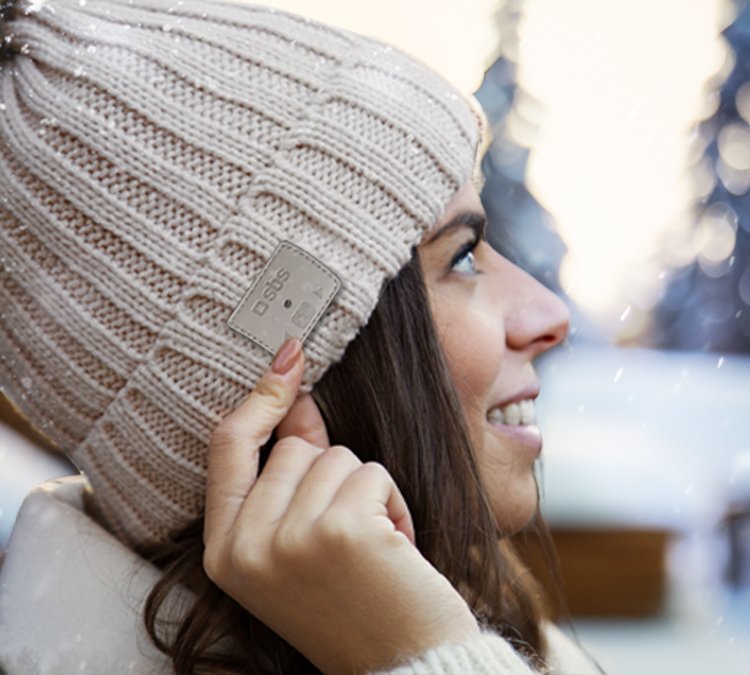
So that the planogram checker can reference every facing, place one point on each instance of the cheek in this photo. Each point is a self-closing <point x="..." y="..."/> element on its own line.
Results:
<point x="473" y="342"/>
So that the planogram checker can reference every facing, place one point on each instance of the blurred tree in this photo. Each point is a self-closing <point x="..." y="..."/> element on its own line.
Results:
<point x="707" y="304"/>
<point x="519" y="227"/>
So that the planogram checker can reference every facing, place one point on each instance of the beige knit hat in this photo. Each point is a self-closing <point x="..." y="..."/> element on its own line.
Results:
<point x="152" y="156"/>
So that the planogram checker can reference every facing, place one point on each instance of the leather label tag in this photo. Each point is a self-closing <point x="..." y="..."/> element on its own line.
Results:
<point x="287" y="299"/>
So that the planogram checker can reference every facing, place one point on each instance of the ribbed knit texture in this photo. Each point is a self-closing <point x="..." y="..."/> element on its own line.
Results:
<point x="151" y="157"/>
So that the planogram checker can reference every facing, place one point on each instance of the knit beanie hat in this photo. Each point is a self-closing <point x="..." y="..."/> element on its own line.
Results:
<point x="152" y="157"/>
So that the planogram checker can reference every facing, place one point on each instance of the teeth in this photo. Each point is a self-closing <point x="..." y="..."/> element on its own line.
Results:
<point x="528" y="412"/>
<point x="514" y="414"/>
<point x="496" y="415"/>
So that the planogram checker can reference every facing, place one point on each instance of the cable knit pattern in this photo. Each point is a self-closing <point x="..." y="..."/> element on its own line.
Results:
<point x="152" y="155"/>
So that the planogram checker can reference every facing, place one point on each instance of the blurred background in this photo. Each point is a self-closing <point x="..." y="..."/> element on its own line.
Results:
<point x="619" y="175"/>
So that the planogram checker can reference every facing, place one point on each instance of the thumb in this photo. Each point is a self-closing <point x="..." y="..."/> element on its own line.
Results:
<point x="235" y="444"/>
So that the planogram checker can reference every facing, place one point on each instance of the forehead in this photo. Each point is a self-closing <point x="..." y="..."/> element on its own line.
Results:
<point x="466" y="199"/>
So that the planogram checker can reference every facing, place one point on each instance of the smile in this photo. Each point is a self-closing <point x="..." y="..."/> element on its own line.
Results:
<point x="519" y="413"/>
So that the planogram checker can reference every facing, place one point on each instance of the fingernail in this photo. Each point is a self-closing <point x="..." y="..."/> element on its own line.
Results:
<point x="287" y="356"/>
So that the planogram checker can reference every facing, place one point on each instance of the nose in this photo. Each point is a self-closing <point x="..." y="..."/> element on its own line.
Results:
<point x="536" y="318"/>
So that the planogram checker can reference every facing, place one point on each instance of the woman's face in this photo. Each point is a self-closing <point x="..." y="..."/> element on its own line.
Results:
<point x="492" y="319"/>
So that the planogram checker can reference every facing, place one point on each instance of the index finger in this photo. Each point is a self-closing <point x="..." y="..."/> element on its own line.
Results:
<point x="235" y="444"/>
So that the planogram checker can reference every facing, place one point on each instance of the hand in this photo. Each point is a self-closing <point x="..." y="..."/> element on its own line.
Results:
<point x="319" y="546"/>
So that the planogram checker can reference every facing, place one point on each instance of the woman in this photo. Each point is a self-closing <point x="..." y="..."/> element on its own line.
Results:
<point x="183" y="186"/>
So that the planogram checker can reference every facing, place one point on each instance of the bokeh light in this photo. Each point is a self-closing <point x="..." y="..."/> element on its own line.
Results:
<point x="621" y="92"/>
<point x="743" y="101"/>
<point x="734" y="146"/>
<point x="716" y="233"/>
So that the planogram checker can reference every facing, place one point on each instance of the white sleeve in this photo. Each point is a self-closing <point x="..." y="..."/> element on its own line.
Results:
<point x="486" y="654"/>
<point x="564" y="655"/>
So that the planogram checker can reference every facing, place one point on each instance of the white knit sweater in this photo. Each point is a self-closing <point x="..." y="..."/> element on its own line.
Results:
<point x="71" y="597"/>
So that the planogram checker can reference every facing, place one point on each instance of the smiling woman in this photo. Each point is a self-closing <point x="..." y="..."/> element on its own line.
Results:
<point x="490" y="335"/>
<point x="162" y="167"/>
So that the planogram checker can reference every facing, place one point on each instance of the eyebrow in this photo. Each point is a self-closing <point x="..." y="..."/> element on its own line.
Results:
<point x="476" y="220"/>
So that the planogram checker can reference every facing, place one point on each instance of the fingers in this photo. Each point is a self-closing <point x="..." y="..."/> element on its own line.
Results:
<point x="303" y="485"/>
<point x="305" y="421"/>
<point x="235" y="444"/>
<point x="372" y="487"/>
<point x="321" y="483"/>
<point x="287" y="466"/>
<point x="337" y="487"/>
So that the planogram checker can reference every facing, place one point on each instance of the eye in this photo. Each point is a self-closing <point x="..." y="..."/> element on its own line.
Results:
<point x="463" y="262"/>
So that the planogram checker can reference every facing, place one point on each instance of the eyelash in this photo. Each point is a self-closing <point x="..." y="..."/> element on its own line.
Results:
<point x="464" y="253"/>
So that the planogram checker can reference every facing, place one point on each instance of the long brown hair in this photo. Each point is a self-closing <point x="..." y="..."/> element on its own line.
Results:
<point x="390" y="399"/>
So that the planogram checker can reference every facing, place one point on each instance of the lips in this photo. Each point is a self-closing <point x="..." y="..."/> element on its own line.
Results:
<point x="516" y="410"/>
<point x="516" y="418"/>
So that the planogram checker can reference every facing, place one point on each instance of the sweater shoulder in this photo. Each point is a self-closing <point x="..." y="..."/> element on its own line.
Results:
<point x="70" y="593"/>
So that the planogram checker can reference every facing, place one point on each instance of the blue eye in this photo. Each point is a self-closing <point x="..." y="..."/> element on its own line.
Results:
<point x="464" y="262"/>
